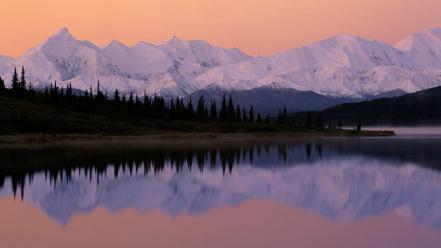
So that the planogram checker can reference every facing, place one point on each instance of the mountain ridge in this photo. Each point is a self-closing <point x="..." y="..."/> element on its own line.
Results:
<point x="340" y="66"/>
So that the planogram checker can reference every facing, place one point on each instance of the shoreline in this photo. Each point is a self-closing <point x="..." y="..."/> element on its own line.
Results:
<point x="36" y="139"/>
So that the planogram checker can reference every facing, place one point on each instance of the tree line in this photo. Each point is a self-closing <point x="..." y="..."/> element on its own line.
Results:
<point x="96" y="101"/>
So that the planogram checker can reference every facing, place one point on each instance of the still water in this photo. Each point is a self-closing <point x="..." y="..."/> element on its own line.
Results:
<point x="340" y="192"/>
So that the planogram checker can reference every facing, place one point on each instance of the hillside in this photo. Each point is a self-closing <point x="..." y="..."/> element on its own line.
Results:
<point x="270" y="99"/>
<point x="420" y="108"/>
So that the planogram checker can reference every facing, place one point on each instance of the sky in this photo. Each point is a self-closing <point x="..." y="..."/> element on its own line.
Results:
<point x="258" y="27"/>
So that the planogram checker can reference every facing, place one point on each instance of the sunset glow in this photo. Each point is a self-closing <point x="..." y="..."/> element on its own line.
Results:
<point x="255" y="26"/>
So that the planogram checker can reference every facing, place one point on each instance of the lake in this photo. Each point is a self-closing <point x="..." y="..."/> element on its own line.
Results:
<point x="333" y="192"/>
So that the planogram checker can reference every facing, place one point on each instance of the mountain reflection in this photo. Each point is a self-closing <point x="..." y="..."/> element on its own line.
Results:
<point x="337" y="178"/>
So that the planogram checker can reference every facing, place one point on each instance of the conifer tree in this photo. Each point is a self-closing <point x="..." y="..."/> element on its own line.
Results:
<point x="200" y="110"/>
<point x="308" y="121"/>
<point x="251" y="115"/>
<point x="22" y="83"/>
<point x="279" y="117"/>
<point x="116" y="97"/>
<point x="244" y="115"/>
<point x="213" y="111"/>
<point x="147" y="104"/>
<point x="2" y="85"/>
<point x="90" y="90"/>
<point x="259" y="119"/>
<point x="131" y="101"/>
<point x="190" y="110"/>
<point x="285" y="115"/>
<point x="231" y="114"/>
<point x="15" y="82"/>
<point x="223" y="110"/>
<point x="340" y="122"/>
<point x="319" y="121"/>
<point x="86" y="94"/>
<point x="238" y="114"/>
<point x="267" y="119"/>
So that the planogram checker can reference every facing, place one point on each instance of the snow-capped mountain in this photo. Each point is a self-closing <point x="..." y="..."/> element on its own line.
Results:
<point x="166" y="69"/>
<point x="342" y="66"/>
<point x="6" y="64"/>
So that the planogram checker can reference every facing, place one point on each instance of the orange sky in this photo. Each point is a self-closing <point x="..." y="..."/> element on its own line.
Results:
<point x="255" y="26"/>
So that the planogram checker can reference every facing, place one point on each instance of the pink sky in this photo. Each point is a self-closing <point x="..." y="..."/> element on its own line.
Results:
<point x="255" y="26"/>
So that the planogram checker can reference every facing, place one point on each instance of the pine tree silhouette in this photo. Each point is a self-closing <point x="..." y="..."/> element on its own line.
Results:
<point x="223" y="110"/>
<point x="308" y="122"/>
<point x="213" y="111"/>
<point x="15" y="82"/>
<point x="251" y="115"/>
<point x="2" y="85"/>
<point x="22" y="83"/>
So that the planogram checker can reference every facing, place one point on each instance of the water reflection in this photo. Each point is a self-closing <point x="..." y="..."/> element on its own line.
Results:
<point x="336" y="178"/>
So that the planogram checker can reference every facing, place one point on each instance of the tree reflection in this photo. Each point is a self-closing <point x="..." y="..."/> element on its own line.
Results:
<point x="60" y="162"/>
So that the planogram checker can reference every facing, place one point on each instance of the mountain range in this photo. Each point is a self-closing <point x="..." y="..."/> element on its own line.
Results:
<point x="344" y="66"/>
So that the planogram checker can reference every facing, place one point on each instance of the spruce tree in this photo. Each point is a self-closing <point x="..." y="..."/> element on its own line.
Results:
<point x="190" y="110"/>
<point x="200" y="110"/>
<point x="90" y="90"/>
<point x="340" y="122"/>
<point x="238" y="114"/>
<point x="116" y="97"/>
<point x="231" y="114"/>
<point x="251" y="115"/>
<point x="259" y="119"/>
<point x="267" y="119"/>
<point x="279" y="117"/>
<point x="308" y="121"/>
<point x="15" y="82"/>
<point x="244" y="115"/>
<point x="22" y="82"/>
<point x="213" y="111"/>
<point x="285" y="115"/>
<point x="2" y="85"/>
<point x="131" y="101"/>
<point x="223" y="110"/>
<point x="319" y="121"/>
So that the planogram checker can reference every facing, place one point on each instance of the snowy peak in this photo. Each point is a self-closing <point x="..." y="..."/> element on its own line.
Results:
<point x="174" y="39"/>
<point x="423" y="48"/>
<point x="63" y="32"/>
<point x="6" y="64"/>
<point x="341" y="66"/>
<point x="430" y="37"/>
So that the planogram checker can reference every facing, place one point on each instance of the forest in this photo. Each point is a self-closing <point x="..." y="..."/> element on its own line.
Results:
<point x="55" y="109"/>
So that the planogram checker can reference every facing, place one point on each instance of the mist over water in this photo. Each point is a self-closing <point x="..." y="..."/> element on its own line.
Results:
<point x="423" y="131"/>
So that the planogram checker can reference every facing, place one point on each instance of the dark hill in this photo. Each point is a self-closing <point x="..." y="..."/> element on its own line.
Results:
<point x="420" y="108"/>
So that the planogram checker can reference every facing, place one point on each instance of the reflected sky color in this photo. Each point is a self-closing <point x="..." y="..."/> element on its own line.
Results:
<point x="252" y="224"/>
<point x="312" y="193"/>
